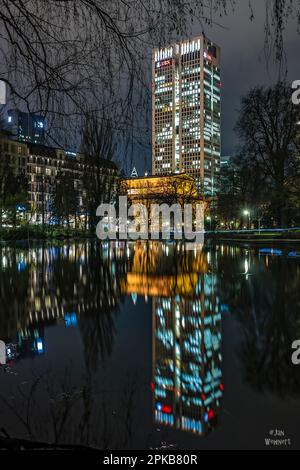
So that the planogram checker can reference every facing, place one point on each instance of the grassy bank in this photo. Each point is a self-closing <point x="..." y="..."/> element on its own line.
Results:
<point x="37" y="232"/>
<point x="262" y="237"/>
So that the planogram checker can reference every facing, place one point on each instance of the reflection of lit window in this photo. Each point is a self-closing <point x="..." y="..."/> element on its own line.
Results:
<point x="39" y="345"/>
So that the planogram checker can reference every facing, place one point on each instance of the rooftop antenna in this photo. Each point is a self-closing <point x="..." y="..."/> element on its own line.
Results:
<point x="134" y="173"/>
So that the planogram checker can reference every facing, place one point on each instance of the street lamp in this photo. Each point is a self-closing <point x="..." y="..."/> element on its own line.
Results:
<point x="247" y="214"/>
<point x="208" y="218"/>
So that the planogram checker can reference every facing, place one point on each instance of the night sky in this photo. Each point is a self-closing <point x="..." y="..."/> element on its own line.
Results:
<point x="243" y="61"/>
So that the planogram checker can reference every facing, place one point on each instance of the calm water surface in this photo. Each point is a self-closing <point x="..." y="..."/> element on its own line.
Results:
<point x="141" y="345"/>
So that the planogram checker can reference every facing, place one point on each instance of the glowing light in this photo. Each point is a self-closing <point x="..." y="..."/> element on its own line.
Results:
<point x="166" y="409"/>
<point x="40" y="346"/>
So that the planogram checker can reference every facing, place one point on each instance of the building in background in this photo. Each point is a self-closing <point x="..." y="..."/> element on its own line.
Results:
<point x="26" y="127"/>
<point x="174" y="188"/>
<point x="44" y="164"/>
<point x="225" y="161"/>
<point x="41" y="165"/>
<point x="186" y="113"/>
<point x="13" y="153"/>
<point x="170" y="189"/>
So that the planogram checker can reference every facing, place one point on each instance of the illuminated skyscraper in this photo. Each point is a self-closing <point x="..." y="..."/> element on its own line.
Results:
<point x="186" y="114"/>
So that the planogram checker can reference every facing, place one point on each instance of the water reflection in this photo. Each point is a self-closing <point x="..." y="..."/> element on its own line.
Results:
<point x="265" y="300"/>
<point x="78" y="285"/>
<point x="187" y="378"/>
<point x="89" y="287"/>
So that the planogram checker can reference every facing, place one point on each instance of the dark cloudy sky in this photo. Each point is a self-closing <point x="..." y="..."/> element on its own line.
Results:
<point x="243" y="60"/>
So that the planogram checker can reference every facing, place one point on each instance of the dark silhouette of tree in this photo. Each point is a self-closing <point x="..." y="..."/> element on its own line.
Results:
<point x="268" y="126"/>
<point x="65" y="198"/>
<point x="243" y="186"/>
<point x="102" y="297"/>
<point x="99" y="172"/>
<point x="13" y="189"/>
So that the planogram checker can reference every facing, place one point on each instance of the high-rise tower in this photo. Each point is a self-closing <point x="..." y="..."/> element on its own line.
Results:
<point x="186" y="113"/>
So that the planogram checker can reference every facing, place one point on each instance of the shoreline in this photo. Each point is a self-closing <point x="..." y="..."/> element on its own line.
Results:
<point x="237" y="240"/>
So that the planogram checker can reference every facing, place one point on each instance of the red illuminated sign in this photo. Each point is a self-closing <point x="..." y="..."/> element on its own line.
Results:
<point x="164" y="63"/>
<point x="166" y="409"/>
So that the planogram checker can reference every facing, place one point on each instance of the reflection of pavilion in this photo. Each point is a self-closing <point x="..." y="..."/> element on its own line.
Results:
<point x="153" y="272"/>
<point x="187" y="377"/>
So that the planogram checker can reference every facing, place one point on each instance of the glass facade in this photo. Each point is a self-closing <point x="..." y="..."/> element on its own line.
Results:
<point x="186" y="113"/>
<point x="26" y="127"/>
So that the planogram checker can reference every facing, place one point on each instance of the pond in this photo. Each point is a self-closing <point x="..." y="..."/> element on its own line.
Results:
<point x="149" y="345"/>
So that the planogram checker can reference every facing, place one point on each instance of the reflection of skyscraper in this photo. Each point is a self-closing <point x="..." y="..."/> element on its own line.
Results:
<point x="187" y="378"/>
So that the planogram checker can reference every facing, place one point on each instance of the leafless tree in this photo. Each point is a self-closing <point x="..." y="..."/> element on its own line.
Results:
<point x="62" y="57"/>
<point x="99" y="172"/>
<point x="269" y="132"/>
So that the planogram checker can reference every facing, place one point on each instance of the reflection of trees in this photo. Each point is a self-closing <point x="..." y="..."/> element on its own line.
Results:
<point x="266" y="304"/>
<point x="80" y="278"/>
<point x="53" y="409"/>
<point x="103" y="286"/>
<point x="13" y="294"/>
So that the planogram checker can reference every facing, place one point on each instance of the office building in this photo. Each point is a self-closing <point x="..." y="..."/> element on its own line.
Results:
<point x="225" y="161"/>
<point x="186" y="112"/>
<point x="26" y="127"/>
<point x="41" y="165"/>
